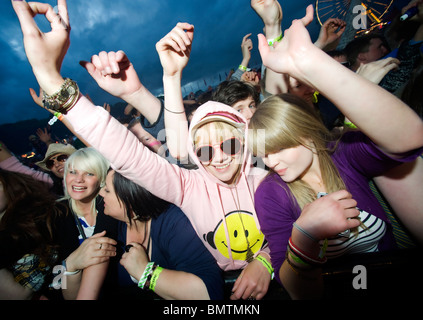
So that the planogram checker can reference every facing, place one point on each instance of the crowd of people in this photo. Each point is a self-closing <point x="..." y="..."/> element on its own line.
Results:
<point x="247" y="191"/>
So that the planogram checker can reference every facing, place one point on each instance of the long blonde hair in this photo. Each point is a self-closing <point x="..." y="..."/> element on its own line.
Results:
<point x="286" y="121"/>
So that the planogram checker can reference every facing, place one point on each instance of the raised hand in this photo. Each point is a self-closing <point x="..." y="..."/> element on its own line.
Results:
<point x="288" y="54"/>
<point x="330" y="34"/>
<point x="174" y="49"/>
<point x="114" y="73"/>
<point x="269" y="11"/>
<point x="45" y="51"/>
<point x="246" y="47"/>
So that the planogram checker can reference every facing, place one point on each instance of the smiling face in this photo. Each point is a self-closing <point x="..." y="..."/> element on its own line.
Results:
<point x="81" y="185"/>
<point x="57" y="164"/>
<point x="223" y="166"/>
<point x="243" y="236"/>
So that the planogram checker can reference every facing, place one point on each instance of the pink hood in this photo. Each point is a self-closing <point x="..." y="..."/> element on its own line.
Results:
<point x="211" y="108"/>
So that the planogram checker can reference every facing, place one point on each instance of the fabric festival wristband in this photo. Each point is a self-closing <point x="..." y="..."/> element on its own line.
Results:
<point x="271" y="42"/>
<point x="243" y="68"/>
<point x="145" y="275"/>
<point x="295" y="258"/>
<point x="154" y="278"/>
<point x="267" y="265"/>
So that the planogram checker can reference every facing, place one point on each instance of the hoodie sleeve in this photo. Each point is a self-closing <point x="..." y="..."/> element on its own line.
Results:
<point x="126" y="153"/>
<point x="14" y="165"/>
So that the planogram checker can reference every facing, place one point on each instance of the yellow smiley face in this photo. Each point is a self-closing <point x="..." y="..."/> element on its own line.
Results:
<point x="243" y="235"/>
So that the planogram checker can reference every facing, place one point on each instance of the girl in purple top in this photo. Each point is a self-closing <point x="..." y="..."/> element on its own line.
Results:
<point x="303" y="228"/>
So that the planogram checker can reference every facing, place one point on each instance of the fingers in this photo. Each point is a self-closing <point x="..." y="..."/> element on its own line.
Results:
<point x="246" y="37"/>
<point x="90" y="68"/>
<point x="246" y="290"/>
<point x="106" y="63"/>
<point x="37" y="99"/>
<point x="263" y="46"/>
<point x="51" y="15"/>
<point x="390" y="63"/>
<point x="25" y="16"/>
<point x="63" y="12"/>
<point x="308" y="18"/>
<point x="102" y="245"/>
<point x="179" y="38"/>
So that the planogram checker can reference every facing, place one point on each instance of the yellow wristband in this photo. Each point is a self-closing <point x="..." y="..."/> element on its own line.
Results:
<point x="349" y="124"/>
<point x="267" y="265"/>
<point x="154" y="277"/>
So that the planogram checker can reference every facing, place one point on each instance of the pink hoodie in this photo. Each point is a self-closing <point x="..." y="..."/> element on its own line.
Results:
<point x="208" y="202"/>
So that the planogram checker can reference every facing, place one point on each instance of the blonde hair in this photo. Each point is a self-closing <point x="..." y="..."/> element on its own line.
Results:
<point x="286" y="121"/>
<point x="88" y="160"/>
<point x="220" y="132"/>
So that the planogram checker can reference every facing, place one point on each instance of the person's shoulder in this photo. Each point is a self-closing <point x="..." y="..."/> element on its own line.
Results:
<point x="173" y="214"/>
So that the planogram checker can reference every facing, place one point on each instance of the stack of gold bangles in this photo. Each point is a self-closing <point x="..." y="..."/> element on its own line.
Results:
<point x="63" y="100"/>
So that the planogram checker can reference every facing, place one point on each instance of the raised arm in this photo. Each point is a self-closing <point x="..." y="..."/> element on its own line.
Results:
<point x="174" y="51"/>
<point x="364" y="103"/>
<point x="270" y="12"/>
<point x="246" y="47"/>
<point x="9" y="162"/>
<point x="45" y="52"/>
<point x="114" y="73"/>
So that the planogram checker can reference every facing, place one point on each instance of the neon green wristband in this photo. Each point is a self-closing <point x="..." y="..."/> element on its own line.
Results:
<point x="271" y="42"/>
<point x="267" y="265"/>
<point x="154" y="277"/>
<point x="243" y="68"/>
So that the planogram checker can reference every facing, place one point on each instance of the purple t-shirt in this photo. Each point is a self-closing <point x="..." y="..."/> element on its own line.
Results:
<point x="358" y="160"/>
